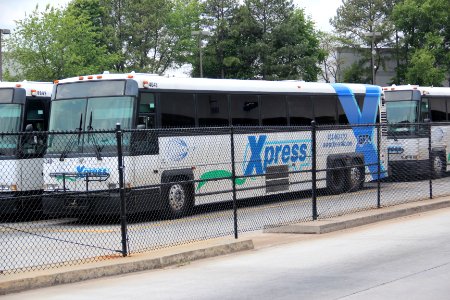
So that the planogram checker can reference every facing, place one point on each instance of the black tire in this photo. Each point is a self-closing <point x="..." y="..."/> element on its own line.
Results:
<point x="356" y="176"/>
<point x="178" y="199"/>
<point x="337" y="177"/>
<point x="438" y="165"/>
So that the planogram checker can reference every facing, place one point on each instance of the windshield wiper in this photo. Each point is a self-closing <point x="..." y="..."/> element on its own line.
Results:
<point x="72" y="141"/>
<point x="94" y="140"/>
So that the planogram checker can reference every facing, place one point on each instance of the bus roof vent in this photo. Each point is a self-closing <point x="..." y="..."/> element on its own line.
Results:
<point x="105" y="72"/>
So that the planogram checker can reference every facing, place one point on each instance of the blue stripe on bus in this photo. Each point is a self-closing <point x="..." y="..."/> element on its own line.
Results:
<point x="364" y="135"/>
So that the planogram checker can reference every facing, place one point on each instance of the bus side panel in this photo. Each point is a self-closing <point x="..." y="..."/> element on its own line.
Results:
<point x="209" y="158"/>
<point x="31" y="174"/>
<point x="440" y="139"/>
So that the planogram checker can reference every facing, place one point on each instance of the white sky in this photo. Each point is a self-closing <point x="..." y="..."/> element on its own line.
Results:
<point x="320" y="11"/>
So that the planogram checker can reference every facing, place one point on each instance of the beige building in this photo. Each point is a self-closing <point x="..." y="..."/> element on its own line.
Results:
<point x="385" y="73"/>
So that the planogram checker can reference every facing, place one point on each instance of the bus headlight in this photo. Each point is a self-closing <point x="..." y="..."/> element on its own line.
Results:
<point x="8" y="187"/>
<point x="51" y="187"/>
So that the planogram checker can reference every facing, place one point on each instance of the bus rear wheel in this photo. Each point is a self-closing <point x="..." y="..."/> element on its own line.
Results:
<point x="356" y="176"/>
<point x="337" y="177"/>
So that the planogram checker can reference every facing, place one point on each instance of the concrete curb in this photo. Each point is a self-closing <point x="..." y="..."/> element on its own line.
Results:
<point x="359" y="219"/>
<point x="33" y="281"/>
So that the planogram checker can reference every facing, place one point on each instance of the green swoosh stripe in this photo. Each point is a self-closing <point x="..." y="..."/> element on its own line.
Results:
<point x="67" y="178"/>
<point x="218" y="174"/>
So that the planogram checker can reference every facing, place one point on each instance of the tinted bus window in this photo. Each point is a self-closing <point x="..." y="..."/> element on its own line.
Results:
<point x="147" y="103"/>
<point x="448" y="108"/>
<point x="342" y="117"/>
<point x="438" y="110"/>
<point x="244" y="110"/>
<point x="360" y="101"/>
<point x="6" y="95"/>
<point x="273" y="110"/>
<point x="212" y="110"/>
<point x="90" y="89"/>
<point x="325" y="109"/>
<point x="177" y="110"/>
<point x="35" y="115"/>
<point x="300" y="110"/>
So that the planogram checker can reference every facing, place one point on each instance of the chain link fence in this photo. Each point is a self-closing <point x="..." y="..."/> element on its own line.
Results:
<point x="74" y="197"/>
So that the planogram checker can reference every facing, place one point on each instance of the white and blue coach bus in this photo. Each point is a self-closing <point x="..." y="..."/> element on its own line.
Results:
<point x="174" y="157"/>
<point x="24" y="107"/>
<point x="408" y="142"/>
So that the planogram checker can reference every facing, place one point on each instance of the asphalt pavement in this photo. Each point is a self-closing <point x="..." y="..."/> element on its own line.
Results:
<point x="404" y="258"/>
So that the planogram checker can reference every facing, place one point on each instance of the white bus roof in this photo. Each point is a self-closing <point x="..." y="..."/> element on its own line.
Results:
<point x="155" y="82"/>
<point x="32" y="88"/>
<point x="424" y="90"/>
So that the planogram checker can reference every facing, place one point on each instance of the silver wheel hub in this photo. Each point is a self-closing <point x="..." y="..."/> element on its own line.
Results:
<point x="355" y="176"/>
<point x="177" y="197"/>
<point x="437" y="164"/>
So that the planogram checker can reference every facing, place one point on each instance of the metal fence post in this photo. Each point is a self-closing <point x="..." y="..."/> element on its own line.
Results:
<point x="430" y="160"/>
<point x="233" y="180"/>
<point x="314" y="169"/>
<point x="379" y="165"/>
<point x="123" y="205"/>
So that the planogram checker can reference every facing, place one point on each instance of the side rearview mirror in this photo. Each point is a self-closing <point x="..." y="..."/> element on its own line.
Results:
<point x="29" y="128"/>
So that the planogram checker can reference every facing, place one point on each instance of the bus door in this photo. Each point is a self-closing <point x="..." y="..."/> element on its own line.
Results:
<point x="144" y="143"/>
<point x="36" y="116"/>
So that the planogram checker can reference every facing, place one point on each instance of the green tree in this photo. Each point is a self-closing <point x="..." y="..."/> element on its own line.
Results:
<point x="423" y="69"/>
<point x="115" y="30"/>
<point x="356" y="73"/>
<point x="268" y="15"/>
<point x="268" y="40"/>
<point x="54" y="44"/>
<point x="425" y="29"/>
<point x="357" y="20"/>
<point x="332" y="63"/>
<point x="150" y="35"/>
<point x="216" y="19"/>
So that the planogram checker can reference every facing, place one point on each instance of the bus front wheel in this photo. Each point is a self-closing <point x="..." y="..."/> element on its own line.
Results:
<point x="178" y="199"/>
<point x="438" y="165"/>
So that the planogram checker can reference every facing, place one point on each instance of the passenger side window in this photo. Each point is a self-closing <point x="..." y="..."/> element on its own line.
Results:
<point x="448" y="109"/>
<point x="273" y="110"/>
<point x="146" y="115"/>
<point x="212" y="110"/>
<point x="300" y="110"/>
<point x="438" y="110"/>
<point x="342" y="117"/>
<point x="177" y="110"/>
<point x="325" y="109"/>
<point x="244" y="110"/>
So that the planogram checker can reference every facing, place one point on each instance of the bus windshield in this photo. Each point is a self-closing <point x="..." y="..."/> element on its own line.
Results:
<point x="10" y="115"/>
<point x="400" y="114"/>
<point x="88" y="114"/>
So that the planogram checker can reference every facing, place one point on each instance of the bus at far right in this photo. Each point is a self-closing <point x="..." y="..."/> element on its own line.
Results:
<point x="418" y="130"/>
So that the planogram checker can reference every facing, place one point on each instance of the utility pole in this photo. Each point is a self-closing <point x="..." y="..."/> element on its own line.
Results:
<point x="200" y="34"/>
<point x="2" y="31"/>
<point x="373" y="52"/>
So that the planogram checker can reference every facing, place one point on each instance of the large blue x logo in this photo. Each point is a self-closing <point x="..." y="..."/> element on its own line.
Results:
<point x="364" y="134"/>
